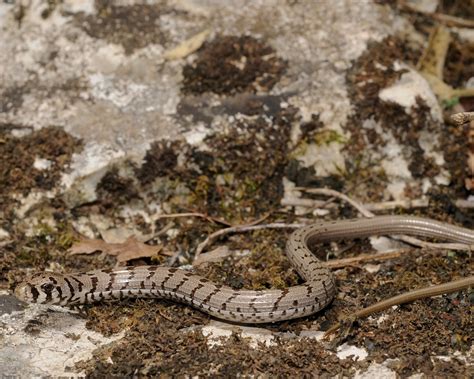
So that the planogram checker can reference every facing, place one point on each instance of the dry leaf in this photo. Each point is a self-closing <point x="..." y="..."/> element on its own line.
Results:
<point x="187" y="47"/>
<point x="215" y="255"/>
<point x="125" y="251"/>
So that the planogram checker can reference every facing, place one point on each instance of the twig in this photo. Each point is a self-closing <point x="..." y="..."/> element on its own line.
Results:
<point x="462" y="118"/>
<point x="162" y="231"/>
<point x="308" y="203"/>
<point x="239" y="229"/>
<point x="382" y="206"/>
<point x="258" y="220"/>
<point x="442" y="17"/>
<point x="467" y="117"/>
<point x="329" y="192"/>
<point x="420" y="243"/>
<point x="344" y="262"/>
<point x="461" y="203"/>
<point x="405" y="204"/>
<point x="192" y="214"/>
<point x="175" y="257"/>
<point x="431" y="66"/>
<point x="453" y="20"/>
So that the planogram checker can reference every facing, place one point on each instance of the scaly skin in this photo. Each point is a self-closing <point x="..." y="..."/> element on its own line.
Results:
<point x="223" y="302"/>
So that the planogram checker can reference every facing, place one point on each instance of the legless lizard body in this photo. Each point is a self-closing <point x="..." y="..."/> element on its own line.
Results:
<point x="245" y="306"/>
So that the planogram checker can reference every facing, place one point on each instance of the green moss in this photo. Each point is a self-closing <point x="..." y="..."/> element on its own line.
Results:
<point x="326" y="137"/>
<point x="66" y="239"/>
<point x="47" y="243"/>
<point x="299" y="150"/>
<point x="449" y="103"/>
<point x="320" y="138"/>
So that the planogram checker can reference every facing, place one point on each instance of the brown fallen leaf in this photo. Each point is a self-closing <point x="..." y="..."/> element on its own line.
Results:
<point x="125" y="251"/>
<point x="215" y="255"/>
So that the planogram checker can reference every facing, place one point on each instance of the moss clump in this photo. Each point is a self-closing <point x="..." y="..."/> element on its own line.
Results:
<point x="233" y="64"/>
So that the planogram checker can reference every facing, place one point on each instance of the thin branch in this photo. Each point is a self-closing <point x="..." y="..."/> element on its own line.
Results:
<point x="330" y="192"/>
<point x="192" y="214"/>
<point x="461" y="203"/>
<point x="240" y="229"/>
<point x="462" y="118"/>
<point x="258" y="220"/>
<point x="453" y="20"/>
<point x="441" y="17"/>
<point x="308" y="203"/>
<point x="175" y="257"/>
<point x="222" y="252"/>
<point x="420" y="243"/>
<point x="381" y="206"/>
<point x="344" y="262"/>
<point x="405" y="204"/>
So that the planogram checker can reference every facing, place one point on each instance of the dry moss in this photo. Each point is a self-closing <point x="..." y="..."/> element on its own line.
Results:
<point x="161" y="343"/>
<point x="232" y="64"/>
<point x="17" y="172"/>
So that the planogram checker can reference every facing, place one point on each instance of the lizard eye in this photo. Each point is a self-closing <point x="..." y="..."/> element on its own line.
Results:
<point x="47" y="287"/>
